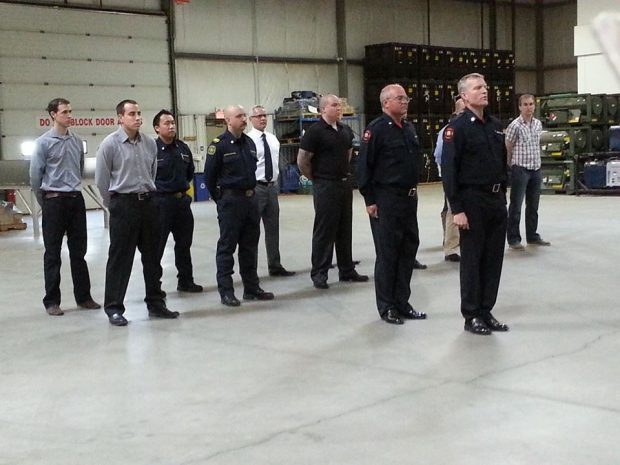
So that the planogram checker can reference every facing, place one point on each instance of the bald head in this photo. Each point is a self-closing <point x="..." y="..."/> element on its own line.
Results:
<point x="331" y="109"/>
<point x="236" y="119"/>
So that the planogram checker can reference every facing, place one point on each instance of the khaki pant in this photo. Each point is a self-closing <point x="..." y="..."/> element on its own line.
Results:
<point x="450" y="233"/>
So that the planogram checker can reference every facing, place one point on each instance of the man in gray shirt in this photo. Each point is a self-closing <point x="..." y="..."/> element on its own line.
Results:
<point x="56" y="179"/>
<point x="125" y="175"/>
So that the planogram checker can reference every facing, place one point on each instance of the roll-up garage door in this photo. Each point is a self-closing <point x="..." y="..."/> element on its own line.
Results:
<point x="92" y="58"/>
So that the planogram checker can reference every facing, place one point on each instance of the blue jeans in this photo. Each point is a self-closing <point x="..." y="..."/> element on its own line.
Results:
<point x="524" y="183"/>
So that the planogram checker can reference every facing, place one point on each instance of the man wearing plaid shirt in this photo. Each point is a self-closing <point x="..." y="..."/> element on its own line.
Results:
<point x="523" y="145"/>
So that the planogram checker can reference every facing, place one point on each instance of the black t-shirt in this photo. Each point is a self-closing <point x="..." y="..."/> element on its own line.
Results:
<point x="330" y="148"/>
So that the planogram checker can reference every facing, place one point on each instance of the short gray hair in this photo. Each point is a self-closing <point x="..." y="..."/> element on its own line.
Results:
<point x="326" y="98"/>
<point x="387" y="92"/>
<point x="257" y="107"/>
<point x="463" y="81"/>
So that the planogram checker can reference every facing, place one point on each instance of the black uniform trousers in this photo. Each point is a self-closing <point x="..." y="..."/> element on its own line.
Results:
<point x="175" y="216"/>
<point x="333" y="216"/>
<point x="482" y="251"/>
<point x="134" y="224"/>
<point x="239" y="222"/>
<point x="396" y="237"/>
<point x="65" y="214"/>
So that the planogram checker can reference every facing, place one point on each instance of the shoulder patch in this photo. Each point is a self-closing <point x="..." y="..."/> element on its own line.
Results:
<point x="211" y="150"/>
<point x="367" y="135"/>
<point x="448" y="134"/>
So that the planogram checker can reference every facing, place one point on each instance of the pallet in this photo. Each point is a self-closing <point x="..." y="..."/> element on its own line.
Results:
<point x="12" y="226"/>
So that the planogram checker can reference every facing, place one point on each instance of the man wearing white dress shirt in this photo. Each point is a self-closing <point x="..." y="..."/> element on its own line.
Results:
<point x="267" y="170"/>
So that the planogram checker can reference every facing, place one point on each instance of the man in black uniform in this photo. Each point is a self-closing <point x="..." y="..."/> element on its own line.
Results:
<point x="474" y="172"/>
<point x="324" y="155"/>
<point x="387" y="173"/>
<point x="175" y="170"/>
<point x="230" y="176"/>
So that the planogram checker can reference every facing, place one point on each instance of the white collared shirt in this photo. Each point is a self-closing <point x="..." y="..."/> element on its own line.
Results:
<point x="274" y="147"/>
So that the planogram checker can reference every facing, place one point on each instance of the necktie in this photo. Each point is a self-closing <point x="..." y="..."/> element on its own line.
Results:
<point x="268" y="162"/>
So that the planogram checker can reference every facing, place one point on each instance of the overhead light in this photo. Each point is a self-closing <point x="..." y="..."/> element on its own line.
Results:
<point x="27" y="148"/>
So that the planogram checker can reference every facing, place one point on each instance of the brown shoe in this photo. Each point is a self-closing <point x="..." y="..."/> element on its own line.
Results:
<point x="89" y="305"/>
<point x="54" y="310"/>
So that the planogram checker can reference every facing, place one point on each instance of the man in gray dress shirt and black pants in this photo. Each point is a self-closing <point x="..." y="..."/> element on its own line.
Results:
<point x="125" y="175"/>
<point x="56" y="179"/>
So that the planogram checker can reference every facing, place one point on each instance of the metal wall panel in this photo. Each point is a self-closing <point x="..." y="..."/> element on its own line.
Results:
<point x="525" y="82"/>
<point x="204" y="86"/>
<point x="304" y="28"/>
<point x="525" y="43"/>
<point x="214" y="26"/>
<point x="94" y="59"/>
<point x="558" y="36"/>
<point x="560" y="81"/>
<point x="392" y="21"/>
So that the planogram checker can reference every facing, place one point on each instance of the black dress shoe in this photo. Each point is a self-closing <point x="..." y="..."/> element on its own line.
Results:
<point x="354" y="277"/>
<point x="321" y="284"/>
<point x="281" y="272"/>
<point x="453" y="257"/>
<point x="89" y="305"/>
<point x="495" y="325"/>
<point x="163" y="313"/>
<point x="258" y="294"/>
<point x="411" y="314"/>
<point x="477" y="326"/>
<point x="539" y="242"/>
<point x="193" y="288"/>
<point x="391" y="316"/>
<point x="117" y="319"/>
<point x="419" y="266"/>
<point x="230" y="300"/>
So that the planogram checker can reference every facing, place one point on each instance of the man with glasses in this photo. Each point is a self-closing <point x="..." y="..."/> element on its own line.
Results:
<point x="267" y="188"/>
<point x="387" y="173"/>
<point x="324" y="155"/>
<point x="474" y="173"/>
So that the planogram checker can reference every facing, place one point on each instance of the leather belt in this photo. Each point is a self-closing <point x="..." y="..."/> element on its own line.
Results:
<point x="238" y="192"/>
<point x="401" y="191"/>
<point x="265" y="183"/>
<point x="134" y="196"/>
<point x="176" y="195"/>
<point x="53" y="195"/>
<point x="489" y="188"/>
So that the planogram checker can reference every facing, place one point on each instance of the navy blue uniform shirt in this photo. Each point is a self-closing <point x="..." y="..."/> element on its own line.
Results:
<point x="231" y="163"/>
<point x="388" y="157"/>
<point x="175" y="166"/>
<point x="474" y="154"/>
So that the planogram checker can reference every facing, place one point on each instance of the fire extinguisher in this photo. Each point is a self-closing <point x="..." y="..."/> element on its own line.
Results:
<point x="10" y="196"/>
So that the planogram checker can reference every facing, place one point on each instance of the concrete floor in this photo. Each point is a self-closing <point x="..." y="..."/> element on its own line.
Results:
<point x="315" y="377"/>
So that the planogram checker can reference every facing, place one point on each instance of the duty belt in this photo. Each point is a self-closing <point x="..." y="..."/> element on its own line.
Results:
<point x="265" y="183"/>
<point x="176" y="195"/>
<point x="239" y="192"/>
<point x="401" y="191"/>
<point x="491" y="188"/>
<point x="53" y="195"/>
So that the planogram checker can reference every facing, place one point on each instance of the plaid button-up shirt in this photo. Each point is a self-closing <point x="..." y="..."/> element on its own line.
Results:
<point x="526" y="140"/>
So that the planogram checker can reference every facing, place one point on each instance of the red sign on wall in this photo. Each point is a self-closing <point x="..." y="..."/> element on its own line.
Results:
<point x="82" y="122"/>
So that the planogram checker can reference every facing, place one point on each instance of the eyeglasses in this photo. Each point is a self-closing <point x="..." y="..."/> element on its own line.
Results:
<point x="402" y="98"/>
<point x="259" y="116"/>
